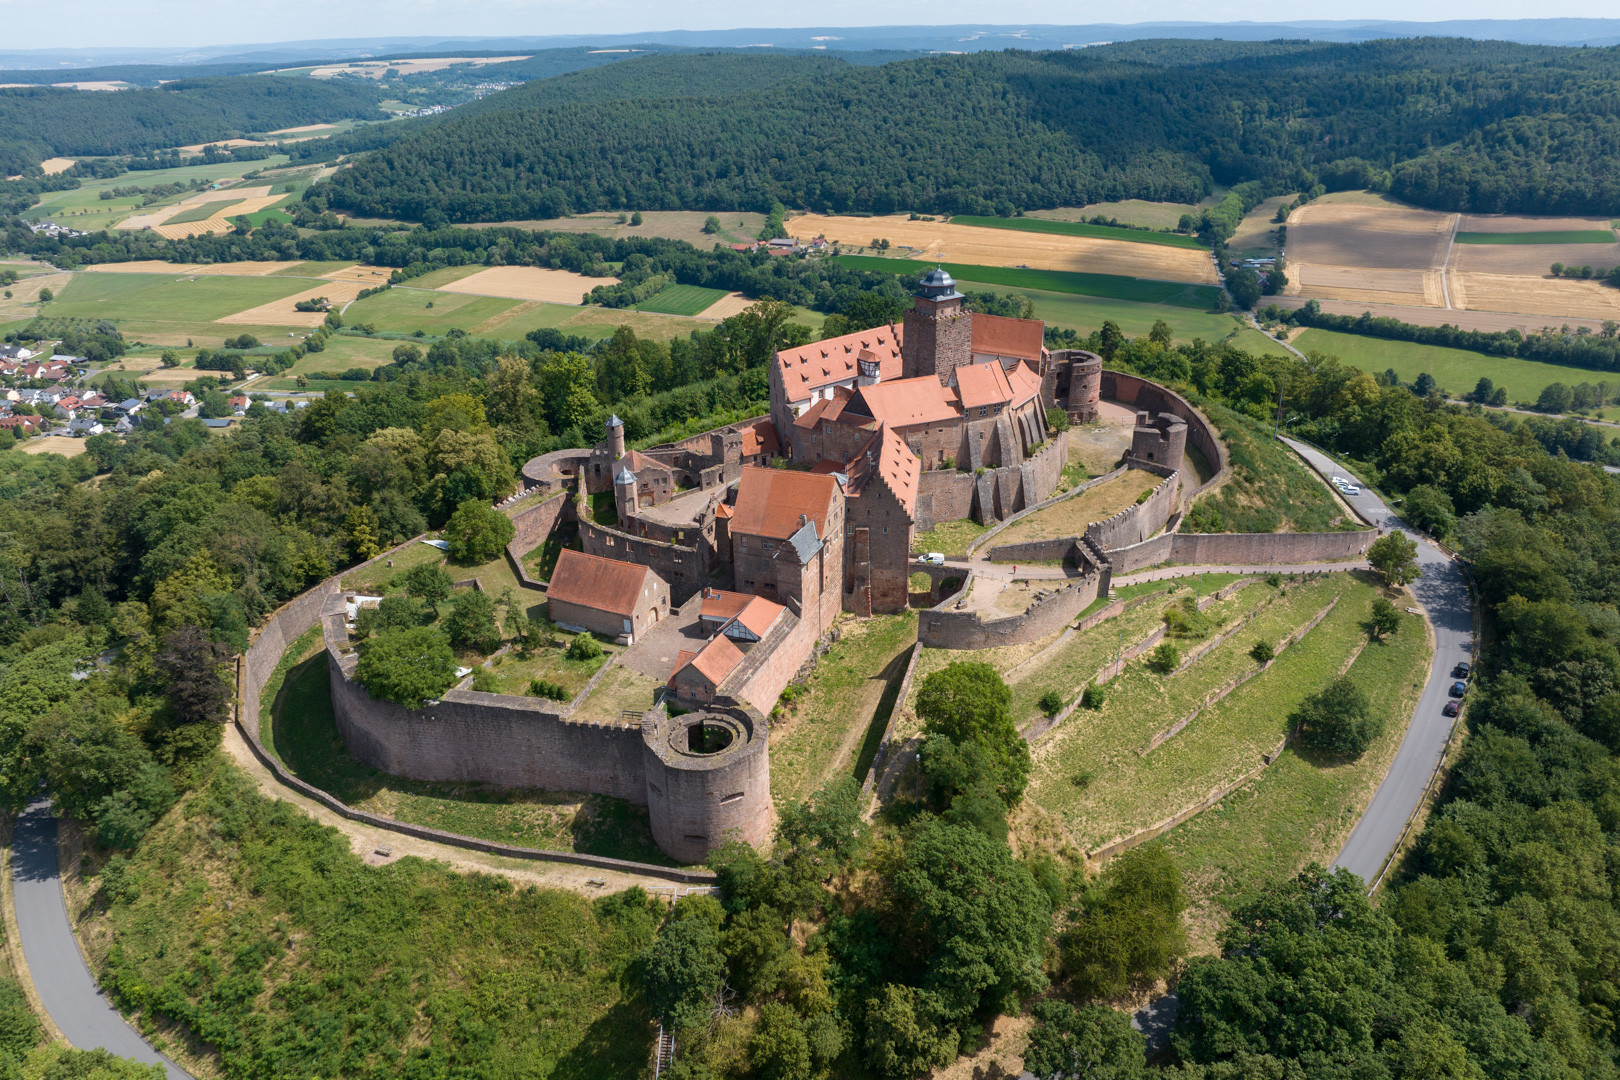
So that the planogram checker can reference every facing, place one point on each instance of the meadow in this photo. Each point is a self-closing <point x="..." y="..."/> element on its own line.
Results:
<point x="1150" y="215"/>
<point x="1112" y="286"/>
<point x="1081" y="228"/>
<point x="1550" y="236"/>
<point x="83" y="207"/>
<point x="682" y="300"/>
<point x="166" y="309"/>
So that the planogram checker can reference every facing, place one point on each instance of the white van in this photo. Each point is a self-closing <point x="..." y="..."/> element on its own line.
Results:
<point x="934" y="558"/>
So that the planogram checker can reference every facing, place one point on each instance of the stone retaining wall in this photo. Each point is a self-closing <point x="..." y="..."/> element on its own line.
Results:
<point x="943" y="629"/>
<point x="1140" y="394"/>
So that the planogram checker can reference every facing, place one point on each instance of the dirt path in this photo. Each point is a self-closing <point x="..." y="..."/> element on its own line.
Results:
<point x="1451" y="242"/>
<point x="366" y="841"/>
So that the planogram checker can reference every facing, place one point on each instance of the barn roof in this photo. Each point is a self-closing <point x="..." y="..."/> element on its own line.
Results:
<point x="594" y="582"/>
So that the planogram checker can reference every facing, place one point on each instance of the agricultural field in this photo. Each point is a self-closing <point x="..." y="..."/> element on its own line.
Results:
<point x="528" y="283"/>
<point x="1078" y="228"/>
<point x="1456" y="370"/>
<point x="202" y="211"/>
<point x="1112" y="286"/>
<point x="736" y="227"/>
<point x="283" y="311"/>
<point x="997" y="247"/>
<point x="1071" y="516"/>
<point x="1150" y="215"/>
<point x="205" y="213"/>
<point x="1084" y="314"/>
<point x="169" y="310"/>
<point x="83" y="207"/>
<point x="1432" y="316"/>
<point x="1549" y="236"/>
<point x="1257" y="236"/>
<point x="683" y="300"/>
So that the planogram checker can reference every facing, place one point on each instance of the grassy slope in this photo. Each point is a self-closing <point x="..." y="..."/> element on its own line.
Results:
<point x="1457" y="370"/>
<point x="1078" y="228"/>
<point x="265" y="935"/>
<point x="1113" y="286"/>
<point x="1269" y="490"/>
<point x="681" y="300"/>
<point x="950" y="537"/>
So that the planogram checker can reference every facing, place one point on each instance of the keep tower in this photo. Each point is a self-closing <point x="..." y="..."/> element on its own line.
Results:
<point x="938" y="335"/>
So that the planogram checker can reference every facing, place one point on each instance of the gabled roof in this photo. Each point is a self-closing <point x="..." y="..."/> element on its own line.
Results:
<point x="899" y="467"/>
<point x="983" y="384"/>
<point x="721" y="605"/>
<point x="637" y="461"/>
<point x="806" y="542"/>
<point x="594" y="582"/>
<point x="760" y="438"/>
<point x="757" y="616"/>
<point x="717" y="659"/>
<point x="770" y="502"/>
<point x="1025" y="383"/>
<point x="999" y="335"/>
<point x="905" y="402"/>
<point x="811" y="367"/>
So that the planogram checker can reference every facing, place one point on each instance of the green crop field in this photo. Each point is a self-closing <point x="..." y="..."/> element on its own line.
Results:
<point x="202" y="211"/>
<point x="1456" y="370"/>
<point x="409" y="310"/>
<point x="164" y="309"/>
<point x="1555" y="236"/>
<point x="1088" y="313"/>
<point x="266" y="217"/>
<point x="1113" y="286"/>
<point x="682" y="300"/>
<point x="1079" y="228"/>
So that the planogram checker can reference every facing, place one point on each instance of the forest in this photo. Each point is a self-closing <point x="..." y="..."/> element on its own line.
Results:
<point x="1449" y="124"/>
<point x="845" y="949"/>
<point x="42" y="122"/>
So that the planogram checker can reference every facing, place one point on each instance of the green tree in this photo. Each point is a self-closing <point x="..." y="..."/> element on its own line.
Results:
<point x="779" y="1048"/>
<point x="969" y="731"/>
<point x="477" y="533"/>
<point x="1263" y="652"/>
<point x="1430" y="509"/>
<point x="1160" y="333"/>
<point x="471" y="622"/>
<point x="827" y="829"/>
<point x="170" y="358"/>
<point x="1338" y="720"/>
<point x="1090" y="1043"/>
<point x="1164" y="659"/>
<point x="1130" y="929"/>
<point x="427" y="582"/>
<point x="682" y="972"/>
<point x="1555" y="398"/>
<point x="635" y="218"/>
<point x="1109" y="339"/>
<point x="1395" y="556"/>
<point x="407" y="667"/>
<point x="1484" y="390"/>
<point x="711" y="225"/>
<point x="46" y="296"/>
<point x="903" y="1040"/>
<point x="1386" y="619"/>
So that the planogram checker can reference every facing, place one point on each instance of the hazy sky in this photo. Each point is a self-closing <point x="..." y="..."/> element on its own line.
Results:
<point x="30" y="24"/>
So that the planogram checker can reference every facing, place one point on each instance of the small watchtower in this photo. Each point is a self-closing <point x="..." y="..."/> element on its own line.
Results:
<point x="1160" y="439"/>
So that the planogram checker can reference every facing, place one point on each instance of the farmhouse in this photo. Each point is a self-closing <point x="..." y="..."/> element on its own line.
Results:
<point x="618" y="600"/>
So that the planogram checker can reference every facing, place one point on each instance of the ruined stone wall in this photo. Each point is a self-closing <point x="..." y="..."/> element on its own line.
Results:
<point x="947" y="629"/>
<point x="1139" y="393"/>
<point x="531" y="526"/>
<point x="685" y="568"/>
<point x="943" y="495"/>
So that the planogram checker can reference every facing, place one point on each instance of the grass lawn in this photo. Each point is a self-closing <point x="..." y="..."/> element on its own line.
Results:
<point x="266" y="217"/>
<point x="1071" y="516"/>
<point x="950" y="537"/>
<point x="296" y="724"/>
<point x="410" y="309"/>
<point x="1152" y="215"/>
<point x="1113" y="286"/>
<point x="1550" y="236"/>
<point x="513" y="673"/>
<point x="1079" y="228"/>
<point x="1300" y="809"/>
<point x="342" y="352"/>
<point x="835" y="726"/>
<point x="619" y="691"/>
<point x="1270" y="489"/>
<point x="168" y="309"/>
<point x="1092" y="772"/>
<point x="1457" y="370"/>
<point x="682" y="300"/>
<point x="202" y="211"/>
<point x="1087" y="313"/>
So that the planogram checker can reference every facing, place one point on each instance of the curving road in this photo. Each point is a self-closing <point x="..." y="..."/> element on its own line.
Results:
<point x="66" y="988"/>
<point x="1443" y="593"/>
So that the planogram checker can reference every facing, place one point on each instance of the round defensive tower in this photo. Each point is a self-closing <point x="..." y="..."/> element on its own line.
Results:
<point x="708" y="780"/>
<point x="1085" y="383"/>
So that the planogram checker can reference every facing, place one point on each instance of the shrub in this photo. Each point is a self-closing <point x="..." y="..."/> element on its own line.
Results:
<point x="484" y="681"/>
<point x="1263" y="653"/>
<point x="551" y="691"/>
<point x="1093" y="696"/>
<point x="584" y="647"/>
<point x="1051" y="703"/>
<point x="1338" y="720"/>
<point x="1165" y="659"/>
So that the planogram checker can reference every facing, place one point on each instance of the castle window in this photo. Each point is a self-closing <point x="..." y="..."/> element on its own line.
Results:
<point x="733" y="797"/>
<point x="984" y="410"/>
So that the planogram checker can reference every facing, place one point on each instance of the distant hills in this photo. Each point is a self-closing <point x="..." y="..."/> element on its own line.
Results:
<point x="963" y="38"/>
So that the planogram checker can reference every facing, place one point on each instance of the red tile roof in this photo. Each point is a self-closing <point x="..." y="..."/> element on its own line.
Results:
<point x="720" y="605"/>
<point x="681" y="661"/>
<point x="900" y="468"/>
<point x="594" y="582"/>
<point x="639" y="461"/>
<point x="906" y="402"/>
<point x="1000" y="336"/>
<point x="807" y="369"/>
<point x="760" y="438"/>
<point x="771" y="501"/>
<point x="717" y="659"/>
<point x="983" y="384"/>
<point x="759" y="615"/>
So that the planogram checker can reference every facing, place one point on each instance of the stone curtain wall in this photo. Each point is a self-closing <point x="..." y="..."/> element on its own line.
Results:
<point x="1137" y="523"/>
<point x="943" y="629"/>
<point x="1274" y="549"/>
<point x="1035" y="551"/>
<point x="532" y="525"/>
<point x="1141" y="394"/>
<point x="680" y="566"/>
<point x="953" y="495"/>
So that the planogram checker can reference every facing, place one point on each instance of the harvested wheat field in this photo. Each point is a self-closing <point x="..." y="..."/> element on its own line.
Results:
<point x="1366" y="286"/>
<point x="224" y="269"/>
<point x="374" y="69"/>
<point x="1523" y="223"/>
<point x="1006" y="247"/>
<point x="283" y="313"/>
<point x="1557" y="298"/>
<point x="726" y="306"/>
<point x="1436" y="316"/>
<point x="369" y="276"/>
<point x="302" y="130"/>
<point x="1530" y="260"/>
<point x="529" y="283"/>
<point x="197" y="148"/>
<point x="54" y="165"/>
<point x="1374" y="237"/>
<point x="233" y="203"/>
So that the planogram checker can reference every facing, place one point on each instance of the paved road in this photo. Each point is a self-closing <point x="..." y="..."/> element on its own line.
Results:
<point x="66" y="987"/>
<point x="1443" y="593"/>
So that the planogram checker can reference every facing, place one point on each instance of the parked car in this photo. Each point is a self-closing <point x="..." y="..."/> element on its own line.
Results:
<point x="1458" y="689"/>
<point x="1338" y="481"/>
<point x="1462" y="670"/>
<point x="1452" y="708"/>
<point x="934" y="558"/>
<point x="1350" y="489"/>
